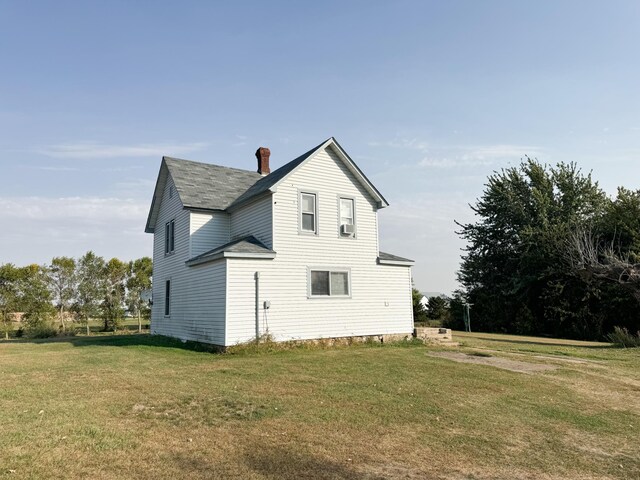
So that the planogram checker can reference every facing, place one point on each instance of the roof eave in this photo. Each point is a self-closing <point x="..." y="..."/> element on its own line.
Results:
<point x="158" y="191"/>
<point x="381" y="201"/>
<point x="223" y="255"/>
<point x="193" y="208"/>
<point x="396" y="262"/>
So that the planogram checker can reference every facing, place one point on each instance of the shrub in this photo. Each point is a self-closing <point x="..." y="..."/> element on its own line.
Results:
<point x="41" y="328"/>
<point x="71" y="331"/>
<point x="419" y="313"/>
<point x="622" y="338"/>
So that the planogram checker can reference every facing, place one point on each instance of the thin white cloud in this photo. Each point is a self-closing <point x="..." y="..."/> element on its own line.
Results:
<point x="452" y="162"/>
<point x="500" y="151"/>
<point x="101" y="150"/>
<point x="126" y="168"/>
<point x="452" y="156"/>
<point x="241" y="141"/>
<point x="408" y="143"/>
<point x="136" y="184"/>
<point x="480" y="155"/>
<point x="37" y="229"/>
<point x="54" y="168"/>
<point x="90" y="209"/>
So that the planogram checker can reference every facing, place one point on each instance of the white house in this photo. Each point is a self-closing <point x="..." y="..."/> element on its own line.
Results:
<point x="291" y="253"/>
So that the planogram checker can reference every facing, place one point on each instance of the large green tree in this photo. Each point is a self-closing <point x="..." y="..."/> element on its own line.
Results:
<point x="513" y="269"/>
<point x="91" y="287"/>
<point x="606" y="257"/>
<point x="419" y="312"/>
<point x="36" y="301"/>
<point x="9" y="295"/>
<point x="63" y="284"/>
<point x="115" y="275"/>
<point x="138" y="280"/>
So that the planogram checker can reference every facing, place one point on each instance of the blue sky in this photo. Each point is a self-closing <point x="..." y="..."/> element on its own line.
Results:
<point x="427" y="97"/>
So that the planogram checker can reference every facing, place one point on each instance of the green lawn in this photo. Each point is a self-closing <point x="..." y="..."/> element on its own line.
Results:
<point x="138" y="406"/>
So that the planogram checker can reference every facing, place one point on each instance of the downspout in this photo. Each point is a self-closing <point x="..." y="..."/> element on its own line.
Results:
<point x="257" y="277"/>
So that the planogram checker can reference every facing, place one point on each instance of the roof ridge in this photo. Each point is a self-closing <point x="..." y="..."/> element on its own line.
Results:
<point x="267" y="181"/>
<point x="165" y="157"/>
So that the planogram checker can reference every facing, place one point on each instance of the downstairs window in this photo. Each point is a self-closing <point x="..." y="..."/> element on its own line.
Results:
<point x="329" y="283"/>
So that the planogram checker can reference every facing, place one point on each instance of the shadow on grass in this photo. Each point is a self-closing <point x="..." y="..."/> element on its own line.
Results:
<point x="280" y="462"/>
<point x="120" y="340"/>
<point x="549" y="343"/>
<point x="288" y="462"/>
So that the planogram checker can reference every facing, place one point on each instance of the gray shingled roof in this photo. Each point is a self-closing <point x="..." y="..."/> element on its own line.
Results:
<point x="214" y="187"/>
<point x="392" y="258"/>
<point x="245" y="245"/>
<point x="265" y="183"/>
<point x="206" y="186"/>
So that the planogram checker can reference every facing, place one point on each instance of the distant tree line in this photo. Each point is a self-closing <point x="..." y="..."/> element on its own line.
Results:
<point x="54" y="299"/>
<point x="551" y="254"/>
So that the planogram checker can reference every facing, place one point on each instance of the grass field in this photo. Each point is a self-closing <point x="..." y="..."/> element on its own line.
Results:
<point x="137" y="406"/>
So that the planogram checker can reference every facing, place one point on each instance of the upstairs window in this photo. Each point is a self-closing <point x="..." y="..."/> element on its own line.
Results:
<point x="329" y="283"/>
<point x="347" y="217"/>
<point x="308" y="213"/>
<point x="169" y="237"/>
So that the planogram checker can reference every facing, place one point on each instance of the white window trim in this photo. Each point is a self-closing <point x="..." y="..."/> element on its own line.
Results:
<point x="355" y="218"/>
<point x="346" y="270"/>
<point x="168" y="226"/>
<point x="316" y="216"/>
<point x="164" y="296"/>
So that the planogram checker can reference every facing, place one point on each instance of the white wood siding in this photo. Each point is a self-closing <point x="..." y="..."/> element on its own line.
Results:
<point x="380" y="301"/>
<point x="208" y="231"/>
<point x="197" y="293"/>
<point x="255" y="218"/>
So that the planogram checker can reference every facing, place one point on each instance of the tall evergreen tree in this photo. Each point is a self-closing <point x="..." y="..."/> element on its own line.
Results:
<point x="437" y="307"/>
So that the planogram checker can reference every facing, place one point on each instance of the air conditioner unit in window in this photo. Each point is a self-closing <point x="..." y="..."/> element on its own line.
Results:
<point x="347" y="229"/>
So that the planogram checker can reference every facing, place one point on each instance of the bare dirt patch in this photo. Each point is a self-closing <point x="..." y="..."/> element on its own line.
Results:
<point x="574" y="360"/>
<point x="498" y="362"/>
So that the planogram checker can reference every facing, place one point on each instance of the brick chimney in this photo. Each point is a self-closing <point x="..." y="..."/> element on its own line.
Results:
<point x="262" y="154"/>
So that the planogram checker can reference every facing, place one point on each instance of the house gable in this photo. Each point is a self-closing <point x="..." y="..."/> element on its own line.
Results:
<point x="271" y="182"/>
<point x="200" y="186"/>
<point x="328" y="177"/>
<point x="158" y="193"/>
